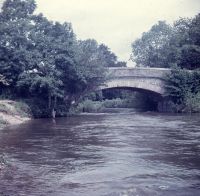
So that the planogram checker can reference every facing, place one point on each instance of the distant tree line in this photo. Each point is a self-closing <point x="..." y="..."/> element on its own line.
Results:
<point x="167" y="45"/>
<point x="43" y="61"/>
<point x="177" y="47"/>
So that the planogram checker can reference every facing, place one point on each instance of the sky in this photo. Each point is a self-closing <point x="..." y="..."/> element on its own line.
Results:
<point x="116" y="23"/>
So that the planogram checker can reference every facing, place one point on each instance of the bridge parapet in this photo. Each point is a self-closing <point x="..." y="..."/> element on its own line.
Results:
<point x="138" y="72"/>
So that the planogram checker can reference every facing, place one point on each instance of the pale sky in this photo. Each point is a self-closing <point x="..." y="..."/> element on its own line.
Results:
<point x="116" y="23"/>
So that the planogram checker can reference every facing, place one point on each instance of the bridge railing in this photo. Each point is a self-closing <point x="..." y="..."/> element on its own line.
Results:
<point x="138" y="72"/>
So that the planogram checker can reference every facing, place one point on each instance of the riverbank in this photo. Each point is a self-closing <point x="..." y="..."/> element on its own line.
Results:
<point x="13" y="113"/>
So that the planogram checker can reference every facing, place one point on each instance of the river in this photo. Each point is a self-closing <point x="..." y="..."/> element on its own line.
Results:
<point x="124" y="153"/>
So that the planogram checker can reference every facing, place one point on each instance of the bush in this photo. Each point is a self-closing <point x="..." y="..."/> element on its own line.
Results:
<point x="183" y="88"/>
<point x="192" y="103"/>
<point x="15" y="108"/>
<point x="96" y="106"/>
<point x="6" y="93"/>
<point x="62" y="110"/>
<point x="39" y="108"/>
<point x="22" y="109"/>
<point x="90" y="106"/>
<point x="114" y="103"/>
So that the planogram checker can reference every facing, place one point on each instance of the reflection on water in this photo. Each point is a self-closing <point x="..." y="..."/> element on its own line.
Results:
<point x="120" y="153"/>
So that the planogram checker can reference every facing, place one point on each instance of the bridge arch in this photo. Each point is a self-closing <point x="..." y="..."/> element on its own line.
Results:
<point x="140" y="79"/>
<point x="141" y="85"/>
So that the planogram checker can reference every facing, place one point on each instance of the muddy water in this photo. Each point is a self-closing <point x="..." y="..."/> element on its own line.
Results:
<point x="107" y="154"/>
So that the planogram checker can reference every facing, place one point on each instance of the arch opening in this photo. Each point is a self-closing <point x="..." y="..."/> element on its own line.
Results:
<point x="131" y="97"/>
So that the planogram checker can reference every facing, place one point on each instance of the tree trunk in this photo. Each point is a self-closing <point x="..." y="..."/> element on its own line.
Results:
<point x="53" y="113"/>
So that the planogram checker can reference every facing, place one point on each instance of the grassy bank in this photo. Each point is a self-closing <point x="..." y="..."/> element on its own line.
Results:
<point x="13" y="112"/>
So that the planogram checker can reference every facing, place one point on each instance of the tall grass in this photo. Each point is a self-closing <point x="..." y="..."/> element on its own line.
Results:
<point x="97" y="106"/>
<point x="90" y="106"/>
<point x="15" y="108"/>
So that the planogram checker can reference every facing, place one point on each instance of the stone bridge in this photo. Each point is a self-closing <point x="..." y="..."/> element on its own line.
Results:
<point x="140" y="79"/>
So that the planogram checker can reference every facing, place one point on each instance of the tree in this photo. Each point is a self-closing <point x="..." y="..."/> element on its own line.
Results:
<point x="194" y="30"/>
<point x="121" y="64"/>
<point x="183" y="87"/>
<point x="165" y="45"/>
<point x="15" y="25"/>
<point x="30" y="47"/>
<point x="151" y="49"/>
<point x="190" y="57"/>
<point x="109" y="57"/>
<point x="3" y="80"/>
<point x="41" y="58"/>
<point x="49" y="43"/>
<point x="190" y="50"/>
<point x="90" y="69"/>
<point x="18" y="9"/>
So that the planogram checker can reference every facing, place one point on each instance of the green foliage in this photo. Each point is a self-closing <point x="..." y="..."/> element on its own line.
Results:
<point x="190" y="57"/>
<point x="6" y="93"/>
<point x="194" y="30"/>
<point x="39" y="107"/>
<point x="15" y="108"/>
<point x="150" y="49"/>
<point x="89" y="71"/>
<point x="129" y="100"/>
<point x="12" y="111"/>
<point x="183" y="89"/>
<point x="90" y="106"/>
<point x="192" y="102"/>
<point x="14" y="9"/>
<point x="164" y="45"/>
<point x="115" y="103"/>
<point x="176" y="47"/>
<point x="22" y="109"/>
<point x="3" y="80"/>
<point x="43" y="59"/>
<point x="110" y="58"/>
<point x="15" y="25"/>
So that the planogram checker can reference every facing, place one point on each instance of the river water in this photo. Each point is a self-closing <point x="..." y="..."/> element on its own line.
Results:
<point x="107" y="154"/>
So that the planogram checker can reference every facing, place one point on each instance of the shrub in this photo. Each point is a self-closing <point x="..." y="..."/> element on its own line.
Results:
<point x="15" y="108"/>
<point x="192" y="102"/>
<point x="90" y="106"/>
<point x="38" y="107"/>
<point x="22" y="109"/>
<point x="114" y="103"/>
<point x="183" y="88"/>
